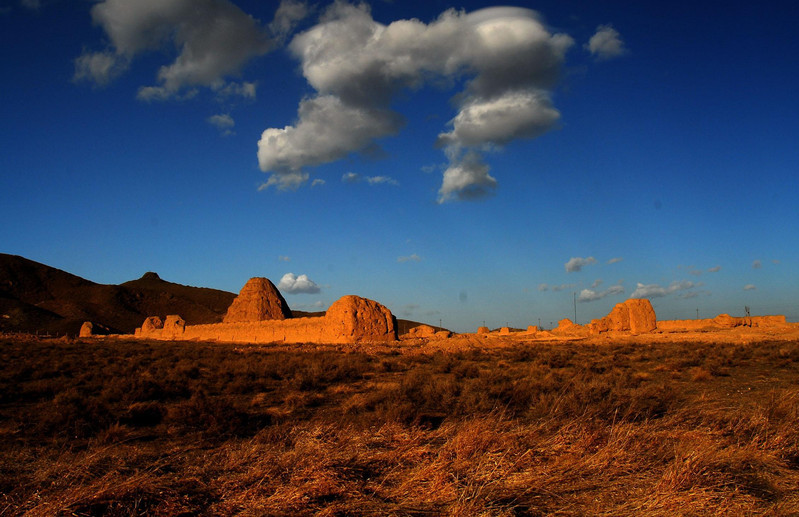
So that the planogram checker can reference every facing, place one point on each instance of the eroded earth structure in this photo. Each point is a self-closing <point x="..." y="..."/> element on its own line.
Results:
<point x="259" y="314"/>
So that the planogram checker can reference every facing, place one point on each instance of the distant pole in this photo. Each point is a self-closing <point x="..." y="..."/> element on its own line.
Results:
<point x="440" y="325"/>
<point x="539" y="322"/>
<point x="575" y="307"/>
<point x="697" y="313"/>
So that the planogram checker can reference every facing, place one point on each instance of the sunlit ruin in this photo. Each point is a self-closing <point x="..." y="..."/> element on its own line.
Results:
<point x="259" y="314"/>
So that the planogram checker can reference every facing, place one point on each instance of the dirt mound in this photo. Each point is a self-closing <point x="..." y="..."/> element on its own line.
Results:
<point x="355" y="319"/>
<point x="259" y="300"/>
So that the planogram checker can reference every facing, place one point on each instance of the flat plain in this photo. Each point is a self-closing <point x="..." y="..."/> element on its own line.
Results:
<point x="116" y="427"/>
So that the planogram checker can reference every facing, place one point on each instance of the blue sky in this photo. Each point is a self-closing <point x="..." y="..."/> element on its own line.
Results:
<point x="454" y="161"/>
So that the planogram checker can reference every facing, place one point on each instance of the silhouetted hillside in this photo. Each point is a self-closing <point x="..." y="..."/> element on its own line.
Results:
<point x="36" y="297"/>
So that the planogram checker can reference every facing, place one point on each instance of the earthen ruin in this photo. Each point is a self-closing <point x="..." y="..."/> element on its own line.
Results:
<point x="259" y="314"/>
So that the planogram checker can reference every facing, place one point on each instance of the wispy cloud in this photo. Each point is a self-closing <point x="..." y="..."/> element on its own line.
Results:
<point x="223" y="122"/>
<point x="578" y="263"/>
<point x="656" y="291"/>
<point x="284" y="258"/>
<point x="749" y="287"/>
<point x="714" y="269"/>
<point x="589" y="295"/>
<point x="293" y="284"/>
<point x="615" y="260"/>
<point x="410" y="258"/>
<point x="353" y="177"/>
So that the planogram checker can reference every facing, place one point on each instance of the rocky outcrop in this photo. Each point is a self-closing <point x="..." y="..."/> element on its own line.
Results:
<point x="635" y="316"/>
<point x="353" y="319"/>
<point x="89" y="329"/>
<point x="483" y="330"/>
<point x="258" y="300"/>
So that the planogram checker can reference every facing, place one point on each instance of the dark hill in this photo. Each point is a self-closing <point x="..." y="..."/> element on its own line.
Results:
<point x="39" y="298"/>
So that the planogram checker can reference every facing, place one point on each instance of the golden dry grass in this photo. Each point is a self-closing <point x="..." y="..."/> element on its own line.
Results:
<point x="130" y="428"/>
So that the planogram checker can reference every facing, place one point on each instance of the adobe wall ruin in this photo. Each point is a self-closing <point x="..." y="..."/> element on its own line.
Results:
<point x="260" y="315"/>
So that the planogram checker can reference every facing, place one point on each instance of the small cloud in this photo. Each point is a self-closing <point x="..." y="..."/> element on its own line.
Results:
<point x="284" y="258"/>
<point x="714" y="269"/>
<point x="589" y="295"/>
<point x="543" y="287"/>
<point x="293" y="284"/>
<point x="749" y="287"/>
<point x="317" y="182"/>
<point x="614" y="260"/>
<point x="410" y="258"/>
<point x="562" y="287"/>
<point x="696" y="272"/>
<point x="377" y="180"/>
<point x="775" y="261"/>
<point x="244" y="89"/>
<point x="656" y="291"/>
<point x="606" y="43"/>
<point x="596" y="283"/>
<point x="757" y="264"/>
<point x="577" y="263"/>
<point x="223" y="122"/>
<point x="350" y="177"/>
<point x="285" y="181"/>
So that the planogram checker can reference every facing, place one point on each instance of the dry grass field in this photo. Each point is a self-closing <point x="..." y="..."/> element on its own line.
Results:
<point x="157" y="428"/>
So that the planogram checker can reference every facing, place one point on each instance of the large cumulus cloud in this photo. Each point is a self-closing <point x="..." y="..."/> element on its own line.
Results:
<point x="357" y="66"/>
<point x="213" y="38"/>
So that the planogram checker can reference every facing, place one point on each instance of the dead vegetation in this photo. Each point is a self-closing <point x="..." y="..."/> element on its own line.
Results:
<point x="149" y="428"/>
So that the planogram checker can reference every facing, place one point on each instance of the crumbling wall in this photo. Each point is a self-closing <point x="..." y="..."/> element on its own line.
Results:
<point x="722" y="321"/>
<point x="351" y="319"/>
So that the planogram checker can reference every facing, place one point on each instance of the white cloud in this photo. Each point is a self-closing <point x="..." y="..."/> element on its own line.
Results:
<point x="596" y="283"/>
<point x="757" y="264"/>
<point x="284" y="258"/>
<point x="589" y="295"/>
<point x="317" y="182"/>
<point x="410" y="258"/>
<point x="233" y="89"/>
<point x="288" y="181"/>
<point x="714" y="269"/>
<point x="577" y="263"/>
<point x="749" y="287"/>
<point x="100" y="67"/>
<point x="353" y="177"/>
<point x="288" y="14"/>
<point x="467" y="178"/>
<point x="615" y="260"/>
<point x="293" y="284"/>
<point x="214" y="39"/>
<point x="543" y="287"/>
<point x="357" y="66"/>
<point x="350" y="177"/>
<point x="318" y="138"/>
<point x="380" y="180"/>
<point x="223" y="122"/>
<point x="606" y="43"/>
<point x="656" y="291"/>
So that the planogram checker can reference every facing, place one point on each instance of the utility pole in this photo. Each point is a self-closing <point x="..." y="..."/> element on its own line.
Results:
<point x="574" y="297"/>
<point x="697" y="313"/>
